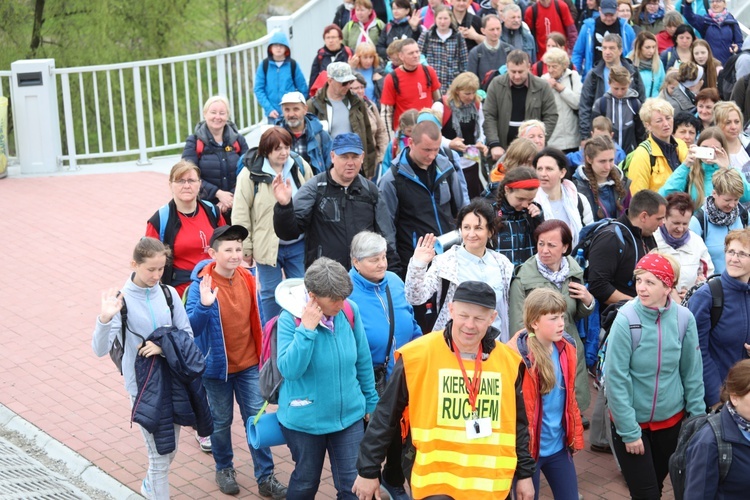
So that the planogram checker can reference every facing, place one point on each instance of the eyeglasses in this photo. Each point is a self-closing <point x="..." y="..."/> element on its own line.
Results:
<point x="735" y="253"/>
<point x="182" y="182"/>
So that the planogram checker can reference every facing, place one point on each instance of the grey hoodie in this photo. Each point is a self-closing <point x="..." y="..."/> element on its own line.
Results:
<point x="623" y="113"/>
<point x="742" y="65"/>
<point x="147" y="311"/>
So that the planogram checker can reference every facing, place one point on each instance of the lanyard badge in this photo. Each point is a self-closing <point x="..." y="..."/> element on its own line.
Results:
<point x="475" y="427"/>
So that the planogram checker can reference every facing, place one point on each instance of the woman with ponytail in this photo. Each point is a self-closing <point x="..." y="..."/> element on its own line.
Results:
<point x="555" y="429"/>
<point x="601" y="181"/>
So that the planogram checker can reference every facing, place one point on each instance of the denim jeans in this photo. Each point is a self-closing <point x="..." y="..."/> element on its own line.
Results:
<point x="291" y="259"/>
<point x="560" y="472"/>
<point x="309" y="453"/>
<point x="221" y="395"/>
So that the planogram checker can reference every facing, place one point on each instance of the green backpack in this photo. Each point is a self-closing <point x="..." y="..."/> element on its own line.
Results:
<point x="625" y="164"/>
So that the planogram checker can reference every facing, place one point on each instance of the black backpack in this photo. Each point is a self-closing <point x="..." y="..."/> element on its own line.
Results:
<point x="590" y="232"/>
<point x="394" y="77"/>
<point x="717" y="297"/>
<point x="728" y="76"/>
<point x="117" y="350"/>
<point x="678" y="460"/>
<point x="292" y="62"/>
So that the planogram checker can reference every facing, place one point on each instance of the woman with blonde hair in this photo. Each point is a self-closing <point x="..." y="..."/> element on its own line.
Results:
<point x="728" y="117"/>
<point x="721" y="213"/>
<point x="694" y="177"/>
<point x="645" y="57"/>
<point x="653" y="163"/>
<point x="215" y="146"/>
<point x="566" y="83"/>
<point x="549" y="354"/>
<point x="366" y="62"/>
<point x="462" y="124"/>
<point x="533" y="130"/>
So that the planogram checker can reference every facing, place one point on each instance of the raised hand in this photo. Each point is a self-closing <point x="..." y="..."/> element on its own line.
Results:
<point x="208" y="295"/>
<point x="111" y="305"/>
<point x="425" y="250"/>
<point x="282" y="190"/>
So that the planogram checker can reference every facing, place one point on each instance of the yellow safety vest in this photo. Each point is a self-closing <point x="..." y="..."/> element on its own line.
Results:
<point x="447" y="462"/>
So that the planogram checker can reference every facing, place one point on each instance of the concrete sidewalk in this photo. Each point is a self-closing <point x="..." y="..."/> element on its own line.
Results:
<point x="67" y="238"/>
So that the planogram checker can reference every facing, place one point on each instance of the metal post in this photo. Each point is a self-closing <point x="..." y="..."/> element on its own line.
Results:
<point x="139" y="122"/>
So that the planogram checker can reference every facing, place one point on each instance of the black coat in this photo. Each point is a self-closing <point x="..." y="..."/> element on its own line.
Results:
<point x="217" y="162"/>
<point x="170" y="389"/>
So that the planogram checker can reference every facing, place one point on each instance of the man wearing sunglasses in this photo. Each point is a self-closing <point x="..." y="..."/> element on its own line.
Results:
<point x="343" y="111"/>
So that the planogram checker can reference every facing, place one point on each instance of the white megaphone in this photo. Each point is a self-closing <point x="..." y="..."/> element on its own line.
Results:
<point x="444" y="242"/>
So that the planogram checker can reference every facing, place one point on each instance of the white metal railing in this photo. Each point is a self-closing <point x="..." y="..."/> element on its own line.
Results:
<point x="5" y="91"/>
<point x="145" y="107"/>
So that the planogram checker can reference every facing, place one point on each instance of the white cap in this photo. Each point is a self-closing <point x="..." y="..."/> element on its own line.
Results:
<point x="293" y="98"/>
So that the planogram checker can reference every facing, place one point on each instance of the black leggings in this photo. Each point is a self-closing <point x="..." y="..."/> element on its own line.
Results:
<point x="645" y="473"/>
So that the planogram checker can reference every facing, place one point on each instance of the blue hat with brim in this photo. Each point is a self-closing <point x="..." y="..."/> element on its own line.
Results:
<point x="347" y="143"/>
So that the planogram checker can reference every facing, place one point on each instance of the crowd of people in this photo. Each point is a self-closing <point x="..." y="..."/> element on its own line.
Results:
<point x="434" y="225"/>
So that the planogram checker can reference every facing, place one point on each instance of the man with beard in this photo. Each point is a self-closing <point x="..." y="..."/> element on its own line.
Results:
<point x="309" y="138"/>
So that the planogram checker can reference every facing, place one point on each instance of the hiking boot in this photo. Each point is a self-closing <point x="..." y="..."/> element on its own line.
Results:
<point x="204" y="442"/>
<point x="271" y="487"/>
<point x="585" y="422"/>
<point x="601" y="448"/>
<point x="225" y="478"/>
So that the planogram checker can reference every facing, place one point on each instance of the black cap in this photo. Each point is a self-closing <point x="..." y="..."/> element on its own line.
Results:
<point x="228" y="233"/>
<point x="476" y="292"/>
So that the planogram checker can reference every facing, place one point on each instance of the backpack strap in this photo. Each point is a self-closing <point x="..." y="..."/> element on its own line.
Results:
<point x="636" y="329"/>
<point x="124" y="310"/>
<point x="683" y="319"/>
<point x="723" y="447"/>
<point x="212" y="211"/>
<point x="300" y="166"/>
<point x="580" y="208"/>
<point x="717" y="299"/>
<point x="199" y="147"/>
<point x="163" y="218"/>
<point x="349" y="312"/>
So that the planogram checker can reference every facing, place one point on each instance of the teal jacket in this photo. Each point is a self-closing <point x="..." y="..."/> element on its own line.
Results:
<point x="678" y="182"/>
<point x="328" y="383"/>
<point x="657" y="380"/>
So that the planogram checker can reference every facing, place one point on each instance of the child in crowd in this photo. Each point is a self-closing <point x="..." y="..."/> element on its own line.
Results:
<point x="689" y="82"/>
<point x="406" y="123"/>
<point x="150" y="305"/>
<point x="601" y="125"/>
<point x="549" y="354"/>
<point x="621" y="105"/>
<point x="277" y="75"/>
<point x="230" y="338"/>
<point x="671" y="82"/>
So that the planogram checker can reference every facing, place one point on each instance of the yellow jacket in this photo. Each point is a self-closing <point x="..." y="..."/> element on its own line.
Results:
<point x="640" y="172"/>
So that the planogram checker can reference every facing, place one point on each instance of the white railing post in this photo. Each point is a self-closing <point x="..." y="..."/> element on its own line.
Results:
<point x="221" y="75"/>
<point x="139" y="122"/>
<point x="70" y="132"/>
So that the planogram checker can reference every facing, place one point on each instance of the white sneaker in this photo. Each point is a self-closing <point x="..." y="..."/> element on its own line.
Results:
<point x="204" y="442"/>
<point x="146" y="490"/>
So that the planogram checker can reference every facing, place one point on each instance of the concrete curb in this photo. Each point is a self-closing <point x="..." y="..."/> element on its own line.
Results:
<point x="78" y="466"/>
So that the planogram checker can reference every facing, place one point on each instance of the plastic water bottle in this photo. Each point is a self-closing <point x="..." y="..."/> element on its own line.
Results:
<point x="580" y="259"/>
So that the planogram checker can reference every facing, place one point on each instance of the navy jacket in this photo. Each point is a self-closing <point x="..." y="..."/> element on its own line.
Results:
<point x="722" y="346"/>
<point x="217" y="162"/>
<point x="170" y="390"/>
<point x="702" y="474"/>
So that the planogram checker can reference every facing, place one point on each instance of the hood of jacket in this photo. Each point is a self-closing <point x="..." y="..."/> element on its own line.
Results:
<point x="628" y="95"/>
<point x="279" y="38"/>
<point x="291" y="295"/>
<point x="442" y="165"/>
<point x="746" y="44"/>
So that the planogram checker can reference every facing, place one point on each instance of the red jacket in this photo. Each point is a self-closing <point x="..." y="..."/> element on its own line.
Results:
<point x="663" y="41"/>
<point x="533" y="399"/>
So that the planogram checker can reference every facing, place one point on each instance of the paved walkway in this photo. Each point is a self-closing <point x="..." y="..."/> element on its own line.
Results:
<point x="67" y="238"/>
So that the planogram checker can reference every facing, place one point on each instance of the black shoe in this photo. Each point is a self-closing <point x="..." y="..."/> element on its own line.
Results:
<point x="585" y="422"/>
<point x="271" y="487"/>
<point x="225" y="478"/>
<point x="601" y="449"/>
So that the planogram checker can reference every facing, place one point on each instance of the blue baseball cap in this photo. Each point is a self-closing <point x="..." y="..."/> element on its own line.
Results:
<point x="347" y="143"/>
